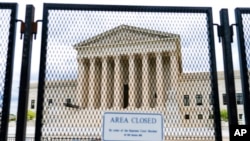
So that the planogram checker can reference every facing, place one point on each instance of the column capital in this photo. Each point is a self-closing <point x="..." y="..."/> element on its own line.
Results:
<point x="104" y="59"/>
<point x="131" y="56"/>
<point x="117" y="57"/>
<point x="145" y="55"/>
<point x="92" y="59"/>
<point x="85" y="60"/>
<point x="158" y="54"/>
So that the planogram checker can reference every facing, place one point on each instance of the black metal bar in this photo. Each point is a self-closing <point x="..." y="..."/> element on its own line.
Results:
<point x="8" y="71"/>
<point x="25" y="75"/>
<point x="228" y="69"/>
<point x="243" y="65"/>
<point x="131" y="8"/>
<point x="214" y="80"/>
<point x="41" y="79"/>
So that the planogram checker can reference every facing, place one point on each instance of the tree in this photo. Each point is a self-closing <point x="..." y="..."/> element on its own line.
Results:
<point x="224" y="115"/>
<point x="31" y="115"/>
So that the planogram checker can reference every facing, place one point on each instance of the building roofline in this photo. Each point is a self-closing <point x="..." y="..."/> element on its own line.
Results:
<point x="101" y="36"/>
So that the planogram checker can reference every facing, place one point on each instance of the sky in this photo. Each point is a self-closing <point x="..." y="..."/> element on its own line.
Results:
<point x="38" y="4"/>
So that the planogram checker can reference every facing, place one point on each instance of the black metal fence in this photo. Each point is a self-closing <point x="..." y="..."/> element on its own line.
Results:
<point x="56" y="139"/>
<point x="26" y="139"/>
<point x="97" y="59"/>
<point x="134" y="59"/>
<point x="7" y="38"/>
<point x="242" y="20"/>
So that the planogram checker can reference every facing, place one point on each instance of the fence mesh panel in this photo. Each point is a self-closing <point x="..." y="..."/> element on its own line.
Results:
<point x="246" y="27"/>
<point x="4" y="42"/>
<point x="125" y="61"/>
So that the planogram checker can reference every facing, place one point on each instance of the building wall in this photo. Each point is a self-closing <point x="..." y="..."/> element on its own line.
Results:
<point x="59" y="115"/>
<point x="222" y="90"/>
<point x="190" y="85"/>
<point x="32" y="103"/>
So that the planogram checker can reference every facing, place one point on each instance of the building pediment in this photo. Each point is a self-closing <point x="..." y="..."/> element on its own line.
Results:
<point x="124" y="40"/>
<point x="125" y="34"/>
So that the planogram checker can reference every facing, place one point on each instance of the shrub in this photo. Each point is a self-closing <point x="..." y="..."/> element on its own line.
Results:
<point x="224" y="115"/>
<point x="31" y="115"/>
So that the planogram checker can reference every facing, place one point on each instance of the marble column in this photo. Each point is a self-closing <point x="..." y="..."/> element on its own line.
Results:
<point x="159" y="81"/>
<point x="174" y="72"/>
<point x="145" y="81"/>
<point x="132" y="93"/>
<point x="84" y="81"/>
<point x="92" y="81"/>
<point x="104" y="83"/>
<point x="117" y="83"/>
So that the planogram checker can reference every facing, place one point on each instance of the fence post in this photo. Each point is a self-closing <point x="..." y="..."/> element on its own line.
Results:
<point x="228" y="69"/>
<point x="25" y="75"/>
<point x="243" y="65"/>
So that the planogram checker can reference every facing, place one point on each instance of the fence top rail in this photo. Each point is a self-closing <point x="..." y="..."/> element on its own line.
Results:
<point x="4" y="5"/>
<point x="242" y="10"/>
<point x="130" y="8"/>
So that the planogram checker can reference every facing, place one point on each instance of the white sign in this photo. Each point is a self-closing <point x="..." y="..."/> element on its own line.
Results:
<point x="132" y="127"/>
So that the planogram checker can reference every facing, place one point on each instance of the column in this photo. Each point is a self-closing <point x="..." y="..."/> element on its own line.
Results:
<point x="159" y="81"/>
<point x="117" y="83"/>
<point x="84" y="82"/>
<point x="104" y="83"/>
<point x="145" y="81"/>
<point x="91" y="101"/>
<point x="174" y="72"/>
<point x="80" y="79"/>
<point x="132" y="81"/>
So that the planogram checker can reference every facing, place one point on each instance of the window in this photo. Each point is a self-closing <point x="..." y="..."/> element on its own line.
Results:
<point x="200" y="116"/>
<point x="50" y="102"/>
<point x="239" y="98"/>
<point x="186" y="116"/>
<point x="211" y="100"/>
<point x="224" y="99"/>
<point x="240" y="116"/>
<point x="186" y="100"/>
<point x="198" y="99"/>
<point x="211" y="116"/>
<point x="68" y="100"/>
<point x="32" y="105"/>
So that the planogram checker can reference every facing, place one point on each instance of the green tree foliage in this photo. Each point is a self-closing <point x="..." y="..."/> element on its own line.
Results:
<point x="31" y="115"/>
<point x="224" y="115"/>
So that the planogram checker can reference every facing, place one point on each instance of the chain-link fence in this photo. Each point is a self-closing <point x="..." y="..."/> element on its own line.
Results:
<point x="7" y="32"/>
<point x="98" y="59"/>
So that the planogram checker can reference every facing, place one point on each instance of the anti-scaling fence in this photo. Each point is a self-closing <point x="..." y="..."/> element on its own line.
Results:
<point x="97" y="59"/>
<point x="243" y="29"/>
<point x="7" y="37"/>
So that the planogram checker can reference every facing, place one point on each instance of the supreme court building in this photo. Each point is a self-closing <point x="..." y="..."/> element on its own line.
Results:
<point x="128" y="69"/>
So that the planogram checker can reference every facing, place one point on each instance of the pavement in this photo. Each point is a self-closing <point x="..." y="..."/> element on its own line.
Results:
<point x="30" y="130"/>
